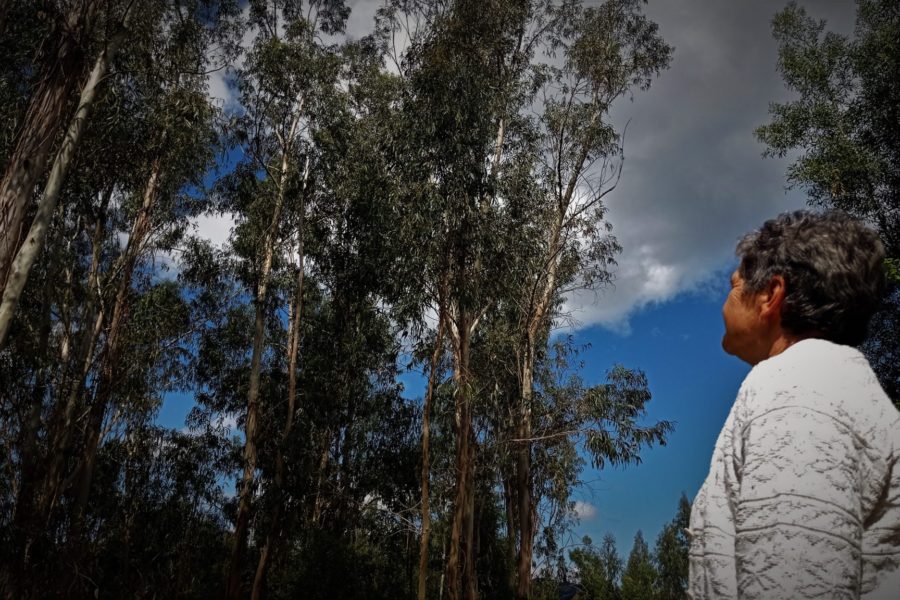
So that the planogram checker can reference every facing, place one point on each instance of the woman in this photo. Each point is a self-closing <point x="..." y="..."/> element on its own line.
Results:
<point x="803" y="495"/>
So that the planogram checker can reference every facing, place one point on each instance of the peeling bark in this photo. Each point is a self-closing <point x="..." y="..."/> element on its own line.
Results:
<point x="34" y="241"/>
<point x="63" y="63"/>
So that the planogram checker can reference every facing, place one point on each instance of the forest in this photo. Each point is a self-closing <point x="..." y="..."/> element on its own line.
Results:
<point x="409" y="206"/>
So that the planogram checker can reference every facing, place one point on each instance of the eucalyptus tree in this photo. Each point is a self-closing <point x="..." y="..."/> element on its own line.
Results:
<point x="454" y="95"/>
<point x="285" y="69"/>
<point x="90" y="285"/>
<point x="179" y="147"/>
<point x="62" y="59"/>
<point x="33" y="242"/>
<point x="606" y="51"/>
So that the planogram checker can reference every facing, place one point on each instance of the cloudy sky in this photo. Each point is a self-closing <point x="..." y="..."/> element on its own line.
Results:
<point x="694" y="180"/>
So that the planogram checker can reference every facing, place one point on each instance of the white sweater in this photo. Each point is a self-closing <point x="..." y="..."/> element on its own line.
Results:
<point x="802" y="499"/>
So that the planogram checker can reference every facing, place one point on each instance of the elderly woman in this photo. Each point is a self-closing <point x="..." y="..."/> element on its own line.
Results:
<point x="802" y="499"/>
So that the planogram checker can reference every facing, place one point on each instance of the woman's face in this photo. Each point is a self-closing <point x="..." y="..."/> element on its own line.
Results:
<point x="744" y="327"/>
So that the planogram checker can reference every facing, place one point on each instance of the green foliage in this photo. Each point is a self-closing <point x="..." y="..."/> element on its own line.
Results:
<point x="387" y="181"/>
<point x="639" y="576"/>
<point x="671" y="554"/>
<point x="598" y="569"/>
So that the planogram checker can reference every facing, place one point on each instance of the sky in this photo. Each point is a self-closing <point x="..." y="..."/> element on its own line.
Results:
<point x="694" y="180"/>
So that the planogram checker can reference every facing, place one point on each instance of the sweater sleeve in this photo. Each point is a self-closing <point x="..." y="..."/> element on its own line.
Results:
<point x="796" y="503"/>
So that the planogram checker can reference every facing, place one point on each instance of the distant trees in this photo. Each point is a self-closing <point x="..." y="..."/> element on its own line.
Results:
<point x="844" y="124"/>
<point x="423" y="196"/>
<point x="660" y="574"/>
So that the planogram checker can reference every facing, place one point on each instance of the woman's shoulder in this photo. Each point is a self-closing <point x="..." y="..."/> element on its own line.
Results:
<point x="827" y="378"/>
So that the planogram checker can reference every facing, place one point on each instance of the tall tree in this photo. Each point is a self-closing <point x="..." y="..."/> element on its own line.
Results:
<point x="607" y="51"/>
<point x="63" y="58"/>
<point x="277" y="86"/>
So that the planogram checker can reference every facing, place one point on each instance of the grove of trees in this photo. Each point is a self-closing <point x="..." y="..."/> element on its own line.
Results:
<point x="410" y="204"/>
<point x="416" y="199"/>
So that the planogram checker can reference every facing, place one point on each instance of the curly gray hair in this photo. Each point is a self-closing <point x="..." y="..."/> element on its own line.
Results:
<point x="833" y="269"/>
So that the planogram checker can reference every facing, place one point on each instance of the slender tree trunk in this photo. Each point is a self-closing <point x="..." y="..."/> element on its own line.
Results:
<point x="523" y="478"/>
<point x="296" y="313"/>
<point x="233" y="588"/>
<point x="252" y="426"/>
<point x="458" y="556"/>
<point x="509" y="498"/>
<point x="469" y="574"/>
<point x="63" y="420"/>
<point x="34" y="241"/>
<point x="426" y="445"/>
<point x="110" y="357"/>
<point x="63" y="63"/>
<point x="539" y="301"/>
<point x="24" y="522"/>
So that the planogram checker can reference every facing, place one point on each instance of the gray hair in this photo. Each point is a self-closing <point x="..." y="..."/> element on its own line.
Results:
<point x="833" y="269"/>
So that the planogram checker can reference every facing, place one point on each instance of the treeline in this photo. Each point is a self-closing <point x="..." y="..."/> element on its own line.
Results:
<point x="419" y="198"/>
<point x="599" y="573"/>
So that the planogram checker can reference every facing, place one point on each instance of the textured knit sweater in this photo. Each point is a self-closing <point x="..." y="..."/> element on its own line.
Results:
<point x="802" y="499"/>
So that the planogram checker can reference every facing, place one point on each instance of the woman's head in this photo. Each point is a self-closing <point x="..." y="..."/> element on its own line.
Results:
<point x="832" y="270"/>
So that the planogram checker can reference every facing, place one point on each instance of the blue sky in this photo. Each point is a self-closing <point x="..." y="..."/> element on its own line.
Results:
<point x="693" y="382"/>
<point x="694" y="180"/>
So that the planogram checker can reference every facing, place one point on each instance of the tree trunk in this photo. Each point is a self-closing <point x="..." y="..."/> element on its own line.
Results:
<point x="63" y="420"/>
<point x="426" y="442"/>
<point x="469" y="574"/>
<point x="110" y="357"/>
<point x="458" y="555"/>
<point x="63" y="63"/>
<point x="34" y="241"/>
<point x="293" y="347"/>
<point x="523" y="477"/>
<point x="252" y="426"/>
<point x="233" y="589"/>
<point x="509" y="498"/>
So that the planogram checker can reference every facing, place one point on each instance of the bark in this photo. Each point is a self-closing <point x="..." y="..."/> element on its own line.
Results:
<point x="511" y="535"/>
<point x="524" y="480"/>
<point x="63" y="63"/>
<point x="541" y="296"/>
<point x="458" y="559"/>
<point x="426" y="445"/>
<point x="293" y="347"/>
<point x="469" y="575"/>
<point x="252" y="425"/>
<point x="233" y="591"/>
<point x="34" y="241"/>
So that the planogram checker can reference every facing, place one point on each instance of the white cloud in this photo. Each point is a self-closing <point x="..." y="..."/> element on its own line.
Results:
<point x="214" y="227"/>
<point x="585" y="511"/>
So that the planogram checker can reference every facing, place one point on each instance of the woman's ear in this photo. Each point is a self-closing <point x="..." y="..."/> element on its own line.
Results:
<point x="772" y="297"/>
